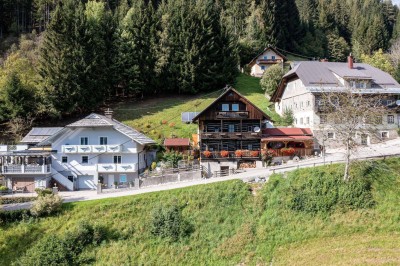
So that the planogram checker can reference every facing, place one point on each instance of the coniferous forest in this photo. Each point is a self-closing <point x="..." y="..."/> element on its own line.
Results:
<point x="70" y="56"/>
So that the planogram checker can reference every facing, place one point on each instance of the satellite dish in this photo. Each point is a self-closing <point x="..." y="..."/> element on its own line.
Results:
<point x="398" y="102"/>
<point x="257" y="129"/>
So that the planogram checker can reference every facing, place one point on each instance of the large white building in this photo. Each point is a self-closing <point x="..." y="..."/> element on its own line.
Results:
<point x="300" y="90"/>
<point x="78" y="156"/>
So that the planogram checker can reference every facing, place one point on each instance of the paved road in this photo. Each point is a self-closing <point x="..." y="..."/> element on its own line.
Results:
<point x="388" y="148"/>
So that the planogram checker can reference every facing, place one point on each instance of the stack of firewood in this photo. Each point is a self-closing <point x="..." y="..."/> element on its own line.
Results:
<point x="244" y="165"/>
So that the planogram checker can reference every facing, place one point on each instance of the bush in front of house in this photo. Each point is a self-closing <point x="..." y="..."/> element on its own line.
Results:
<point x="11" y="200"/>
<point x="46" y="205"/>
<point x="13" y="216"/>
<point x="3" y="188"/>
<point x="43" y="191"/>
<point x="169" y="223"/>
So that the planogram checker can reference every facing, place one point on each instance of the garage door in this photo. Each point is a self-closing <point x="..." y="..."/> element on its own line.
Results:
<point x="86" y="182"/>
<point x="24" y="184"/>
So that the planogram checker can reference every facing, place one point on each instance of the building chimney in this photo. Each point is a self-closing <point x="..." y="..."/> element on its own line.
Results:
<point x="109" y="113"/>
<point x="350" y="61"/>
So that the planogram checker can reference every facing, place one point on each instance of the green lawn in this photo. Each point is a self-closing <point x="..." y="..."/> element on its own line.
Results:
<point x="161" y="117"/>
<point x="238" y="224"/>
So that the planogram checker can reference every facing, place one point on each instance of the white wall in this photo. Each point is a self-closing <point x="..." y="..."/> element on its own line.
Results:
<point x="256" y="68"/>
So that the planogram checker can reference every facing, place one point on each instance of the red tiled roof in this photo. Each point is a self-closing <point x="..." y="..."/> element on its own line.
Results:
<point x="287" y="138"/>
<point x="176" y="142"/>
<point x="286" y="132"/>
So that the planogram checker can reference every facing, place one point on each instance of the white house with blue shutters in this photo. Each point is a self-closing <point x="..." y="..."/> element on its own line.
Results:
<point x="94" y="149"/>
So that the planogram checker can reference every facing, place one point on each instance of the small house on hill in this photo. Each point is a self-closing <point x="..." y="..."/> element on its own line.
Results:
<point x="269" y="57"/>
<point x="178" y="144"/>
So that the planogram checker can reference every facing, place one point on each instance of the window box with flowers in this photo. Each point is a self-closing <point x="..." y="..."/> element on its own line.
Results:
<point x="207" y="154"/>
<point x="254" y="153"/>
<point x="224" y="154"/>
<point x="288" y="151"/>
<point x="239" y="153"/>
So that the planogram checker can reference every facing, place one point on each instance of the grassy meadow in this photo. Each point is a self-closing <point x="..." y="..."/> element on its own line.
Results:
<point x="161" y="117"/>
<point x="310" y="217"/>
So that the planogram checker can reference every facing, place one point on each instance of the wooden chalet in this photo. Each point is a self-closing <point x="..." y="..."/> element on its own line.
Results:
<point x="230" y="129"/>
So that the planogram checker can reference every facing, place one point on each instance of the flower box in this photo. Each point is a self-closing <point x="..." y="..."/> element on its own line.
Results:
<point x="224" y="154"/>
<point x="239" y="153"/>
<point x="207" y="154"/>
<point x="254" y="153"/>
<point x="288" y="151"/>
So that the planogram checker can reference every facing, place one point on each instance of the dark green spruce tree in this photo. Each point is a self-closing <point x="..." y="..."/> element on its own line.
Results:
<point x="136" y="42"/>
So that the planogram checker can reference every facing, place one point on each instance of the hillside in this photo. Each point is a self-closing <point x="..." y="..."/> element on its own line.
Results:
<point x="161" y="117"/>
<point x="310" y="217"/>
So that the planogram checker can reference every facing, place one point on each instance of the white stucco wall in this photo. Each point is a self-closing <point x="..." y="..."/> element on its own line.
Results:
<point x="256" y="70"/>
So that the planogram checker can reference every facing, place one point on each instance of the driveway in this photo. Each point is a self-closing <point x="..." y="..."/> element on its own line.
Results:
<point x="389" y="148"/>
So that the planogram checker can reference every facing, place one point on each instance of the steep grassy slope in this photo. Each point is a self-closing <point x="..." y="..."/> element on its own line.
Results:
<point x="310" y="217"/>
<point x="161" y="117"/>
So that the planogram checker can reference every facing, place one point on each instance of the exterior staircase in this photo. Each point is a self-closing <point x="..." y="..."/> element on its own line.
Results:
<point x="60" y="186"/>
<point x="62" y="180"/>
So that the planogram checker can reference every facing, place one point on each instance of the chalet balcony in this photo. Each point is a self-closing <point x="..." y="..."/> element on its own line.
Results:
<point x="232" y="115"/>
<point x="242" y="154"/>
<point x="117" y="168"/>
<point x="25" y="169"/>
<point x="91" y="148"/>
<point x="230" y="135"/>
<point x="269" y="61"/>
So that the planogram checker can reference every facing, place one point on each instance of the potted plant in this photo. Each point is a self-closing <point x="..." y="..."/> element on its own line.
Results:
<point x="3" y="190"/>
<point x="239" y="153"/>
<point x="224" y="154"/>
<point x="287" y="151"/>
<point x="207" y="154"/>
<point x="115" y="184"/>
<point x="254" y="153"/>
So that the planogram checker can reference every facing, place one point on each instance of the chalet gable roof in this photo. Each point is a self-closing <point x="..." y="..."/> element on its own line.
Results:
<point x="252" y="62"/>
<point x="96" y="120"/>
<point x="230" y="89"/>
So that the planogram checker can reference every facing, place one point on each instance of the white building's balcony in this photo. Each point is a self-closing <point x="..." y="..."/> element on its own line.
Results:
<point x="25" y="169"/>
<point x="91" y="149"/>
<point x="117" y="168"/>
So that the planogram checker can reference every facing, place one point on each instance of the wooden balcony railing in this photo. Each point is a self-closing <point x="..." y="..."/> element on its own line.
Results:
<point x="298" y="152"/>
<point x="232" y="155"/>
<point x="230" y="135"/>
<point x="229" y="115"/>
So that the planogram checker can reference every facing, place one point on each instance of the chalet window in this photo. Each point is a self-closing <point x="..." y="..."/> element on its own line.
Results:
<point x="358" y="84"/>
<point x="262" y="67"/>
<point x="64" y="159"/>
<point x="235" y="107"/>
<point x="385" y="134"/>
<point x="331" y="135"/>
<point x="273" y="57"/>
<point x="250" y="147"/>
<point x="322" y="119"/>
<point x="265" y="57"/>
<point x="390" y="119"/>
<point x="84" y="141"/>
<point x="117" y="159"/>
<point x="308" y="103"/>
<point x="301" y="121"/>
<point x="231" y="128"/>
<point x="301" y="104"/>
<point x="307" y="120"/>
<point x="225" y="107"/>
<point x="85" y="159"/>
<point x="103" y="140"/>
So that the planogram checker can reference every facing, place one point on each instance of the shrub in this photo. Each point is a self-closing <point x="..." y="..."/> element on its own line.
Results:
<point x="13" y="216"/>
<point x="3" y="188"/>
<point x="172" y="157"/>
<point x="239" y="153"/>
<point x="224" y="153"/>
<point x="207" y="154"/>
<point x="46" y="205"/>
<point x="9" y="200"/>
<point x="324" y="192"/>
<point x="153" y="165"/>
<point x="50" y="250"/>
<point x="43" y="192"/>
<point x="168" y="222"/>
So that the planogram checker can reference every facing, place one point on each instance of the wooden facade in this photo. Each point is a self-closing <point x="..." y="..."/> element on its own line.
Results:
<point x="231" y="123"/>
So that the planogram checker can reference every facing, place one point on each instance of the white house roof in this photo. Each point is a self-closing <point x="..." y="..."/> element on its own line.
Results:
<point x="96" y="120"/>
<point x="314" y="73"/>
<point x="38" y="134"/>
